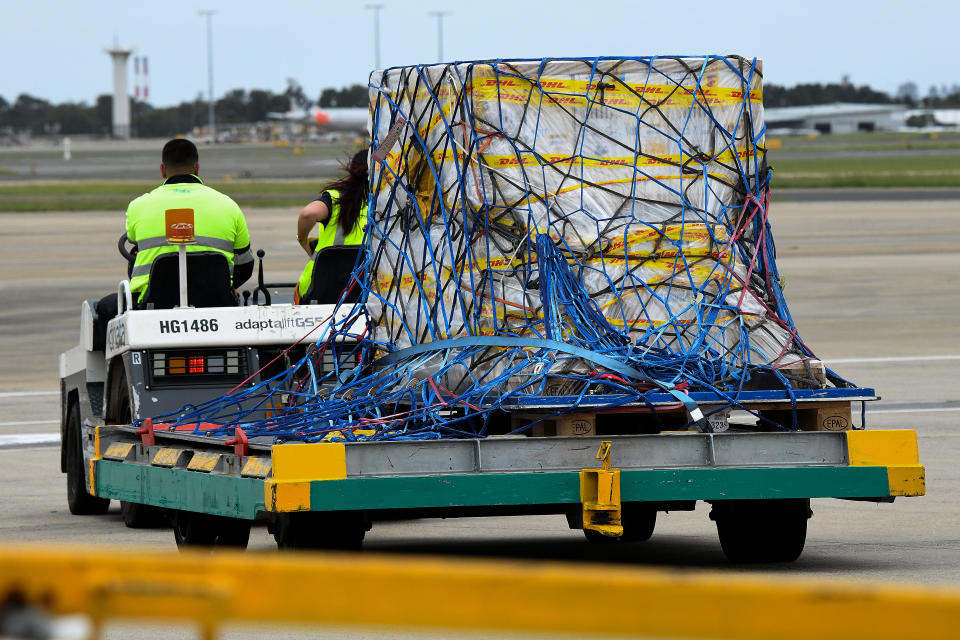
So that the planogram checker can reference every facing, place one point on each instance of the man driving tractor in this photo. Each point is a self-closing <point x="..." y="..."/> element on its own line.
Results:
<point x="219" y="228"/>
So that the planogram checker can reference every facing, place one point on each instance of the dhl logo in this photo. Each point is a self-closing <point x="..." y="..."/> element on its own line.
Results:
<point x="502" y="82"/>
<point x="480" y="264"/>
<point x="404" y="282"/>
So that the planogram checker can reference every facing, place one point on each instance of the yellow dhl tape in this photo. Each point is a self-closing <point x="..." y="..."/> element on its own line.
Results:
<point x="569" y="92"/>
<point x="642" y="162"/>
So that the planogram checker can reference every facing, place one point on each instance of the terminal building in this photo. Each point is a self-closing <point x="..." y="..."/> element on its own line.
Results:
<point x="839" y="117"/>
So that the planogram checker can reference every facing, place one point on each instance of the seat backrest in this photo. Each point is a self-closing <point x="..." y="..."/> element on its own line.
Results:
<point x="332" y="273"/>
<point x="208" y="281"/>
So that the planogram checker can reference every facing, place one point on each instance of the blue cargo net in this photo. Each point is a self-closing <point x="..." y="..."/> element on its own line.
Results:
<point x="593" y="230"/>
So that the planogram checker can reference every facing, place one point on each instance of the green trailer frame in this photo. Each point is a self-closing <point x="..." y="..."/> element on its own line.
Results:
<point x="194" y="475"/>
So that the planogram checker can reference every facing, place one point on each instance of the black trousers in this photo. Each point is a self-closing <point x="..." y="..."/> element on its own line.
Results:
<point x="106" y="310"/>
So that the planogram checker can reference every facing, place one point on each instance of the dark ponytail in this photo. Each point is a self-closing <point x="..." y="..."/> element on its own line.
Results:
<point x="353" y="189"/>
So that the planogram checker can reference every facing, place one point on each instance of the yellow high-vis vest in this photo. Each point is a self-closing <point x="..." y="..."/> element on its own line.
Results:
<point x="219" y="226"/>
<point x="331" y="235"/>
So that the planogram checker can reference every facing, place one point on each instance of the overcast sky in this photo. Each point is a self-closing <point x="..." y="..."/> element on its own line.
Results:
<point x="54" y="49"/>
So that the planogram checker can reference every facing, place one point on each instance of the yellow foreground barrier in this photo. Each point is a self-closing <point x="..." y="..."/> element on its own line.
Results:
<point x="393" y="591"/>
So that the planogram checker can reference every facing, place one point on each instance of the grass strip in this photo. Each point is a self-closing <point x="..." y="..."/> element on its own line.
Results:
<point x="901" y="170"/>
<point x="104" y="196"/>
<point x="888" y="170"/>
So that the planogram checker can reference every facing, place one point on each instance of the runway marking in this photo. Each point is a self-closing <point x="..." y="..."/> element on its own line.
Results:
<point x="24" y="422"/>
<point x="27" y="394"/>
<point x="894" y="359"/>
<point x="21" y="440"/>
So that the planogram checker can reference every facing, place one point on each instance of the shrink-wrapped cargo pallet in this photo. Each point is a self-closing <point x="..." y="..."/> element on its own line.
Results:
<point x="558" y="236"/>
<point x="614" y="204"/>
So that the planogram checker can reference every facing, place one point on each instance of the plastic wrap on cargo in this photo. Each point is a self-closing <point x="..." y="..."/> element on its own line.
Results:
<point x="645" y="174"/>
<point x="554" y="234"/>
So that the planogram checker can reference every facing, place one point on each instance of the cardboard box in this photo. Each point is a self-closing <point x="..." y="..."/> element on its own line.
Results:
<point x="573" y="424"/>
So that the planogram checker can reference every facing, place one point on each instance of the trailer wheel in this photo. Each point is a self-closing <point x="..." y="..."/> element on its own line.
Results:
<point x="143" y="516"/>
<point x="321" y="530"/>
<point x="233" y="532"/>
<point x="193" y="530"/>
<point x="204" y="530"/>
<point x="79" y="501"/>
<point x="754" y="531"/>
<point x="639" y="520"/>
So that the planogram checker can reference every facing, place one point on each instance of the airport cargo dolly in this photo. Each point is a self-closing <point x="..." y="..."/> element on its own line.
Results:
<point x="327" y="494"/>
<point x="610" y="482"/>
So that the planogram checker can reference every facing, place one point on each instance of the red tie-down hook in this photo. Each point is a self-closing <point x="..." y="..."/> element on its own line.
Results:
<point x="241" y="447"/>
<point x="146" y="433"/>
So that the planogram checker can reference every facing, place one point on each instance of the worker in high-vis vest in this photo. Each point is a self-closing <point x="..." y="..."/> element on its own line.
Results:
<point x="219" y="224"/>
<point x="341" y="213"/>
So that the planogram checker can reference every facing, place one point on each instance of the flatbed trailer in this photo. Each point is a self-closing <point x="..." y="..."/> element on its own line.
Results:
<point x="328" y="494"/>
<point x="610" y="468"/>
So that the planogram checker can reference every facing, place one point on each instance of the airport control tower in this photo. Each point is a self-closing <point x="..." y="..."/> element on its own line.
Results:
<point x="121" y="98"/>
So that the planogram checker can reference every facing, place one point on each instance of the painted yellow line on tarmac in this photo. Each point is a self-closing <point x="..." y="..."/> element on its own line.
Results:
<point x="395" y="592"/>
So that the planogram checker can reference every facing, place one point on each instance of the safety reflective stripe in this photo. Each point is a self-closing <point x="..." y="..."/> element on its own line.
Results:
<point x="205" y="241"/>
<point x="144" y="269"/>
<point x="243" y="258"/>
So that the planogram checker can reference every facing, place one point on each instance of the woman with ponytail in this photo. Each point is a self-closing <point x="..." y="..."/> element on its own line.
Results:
<point x="341" y="213"/>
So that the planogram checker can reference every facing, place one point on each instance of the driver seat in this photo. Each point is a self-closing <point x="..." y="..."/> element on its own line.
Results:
<point x="333" y="274"/>
<point x="208" y="282"/>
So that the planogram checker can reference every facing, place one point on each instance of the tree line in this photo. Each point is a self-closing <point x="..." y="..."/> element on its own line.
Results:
<point x="29" y="114"/>
<point x="36" y="116"/>
<point x="815" y="93"/>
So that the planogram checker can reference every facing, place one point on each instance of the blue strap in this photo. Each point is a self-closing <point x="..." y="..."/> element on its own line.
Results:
<point x="511" y="341"/>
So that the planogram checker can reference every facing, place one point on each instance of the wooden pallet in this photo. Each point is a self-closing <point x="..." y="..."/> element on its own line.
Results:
<point x="832" y="415"/>
<point x="819" y="416"/>
<point x="572" y="424"/>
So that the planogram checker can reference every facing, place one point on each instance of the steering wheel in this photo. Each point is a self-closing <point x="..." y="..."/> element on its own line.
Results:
<point x="129" y="254"/>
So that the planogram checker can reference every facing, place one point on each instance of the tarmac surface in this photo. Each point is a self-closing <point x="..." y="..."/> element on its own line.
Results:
<point x="872" y="285"/>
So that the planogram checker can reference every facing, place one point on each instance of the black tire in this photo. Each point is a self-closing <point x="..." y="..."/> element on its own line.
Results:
<point x="233" y="532"/>
<point x="79" y="501"/>
<point x="143" y="516"/>
<point x="757" y="531"/>
<point x="204" y="530"/>
<point x="193" y="530"/>
<point x="639" y="521"/>
<point x="318" y="530"/>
